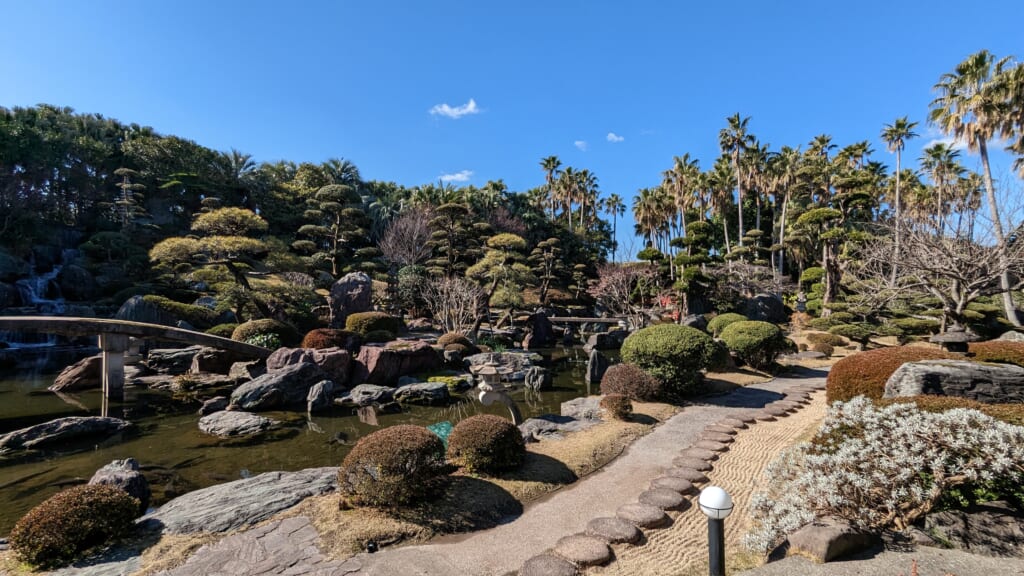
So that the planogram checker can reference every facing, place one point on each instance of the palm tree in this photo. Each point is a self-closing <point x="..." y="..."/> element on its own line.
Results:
<point x="734" y="140"/>
<point x="969" y="108"/>
<point x="783" y="168"/>
<point x="896" y="136"/>
<point x="551" y="166"/>
<point x="720" y="182"/>
<point x="614" y="206"/>
<point x="588" y="191"/>
<point x="942" y="163"/>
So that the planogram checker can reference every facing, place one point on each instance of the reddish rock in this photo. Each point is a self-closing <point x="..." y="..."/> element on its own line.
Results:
<point x="86" y="374"/>
<point x="335" y="362"/>
<point x="385" y="364"/>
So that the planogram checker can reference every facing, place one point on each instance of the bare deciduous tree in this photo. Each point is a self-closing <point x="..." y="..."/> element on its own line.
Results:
<point x="405" y="241"/>
<point x="453" y="301"/>
<point x="617" y="286"/>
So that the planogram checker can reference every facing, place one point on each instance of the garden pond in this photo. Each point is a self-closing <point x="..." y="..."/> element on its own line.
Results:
<point x="176" y="457"/>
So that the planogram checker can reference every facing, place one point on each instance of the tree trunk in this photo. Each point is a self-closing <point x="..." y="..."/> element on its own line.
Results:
<point x="782" y="235"/>
<point x="899" y="222"/>
<point x="832" y="277"/>
<point x="739" y="193"/>
<point x="997" y="226"/>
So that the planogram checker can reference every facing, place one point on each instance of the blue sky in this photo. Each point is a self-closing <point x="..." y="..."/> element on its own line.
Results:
<point x="310" y="80"/>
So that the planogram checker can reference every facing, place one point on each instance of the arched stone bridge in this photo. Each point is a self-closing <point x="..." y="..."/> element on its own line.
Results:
<point x="113" y="340"/>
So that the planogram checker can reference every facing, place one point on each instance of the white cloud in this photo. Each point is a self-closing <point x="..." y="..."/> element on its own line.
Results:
<point x="455" y="112"/>
<point x="461" y="176"/>
<point x="613" y="137"/>
<point x="949" y="141"/>
<point x="581" y="144"/>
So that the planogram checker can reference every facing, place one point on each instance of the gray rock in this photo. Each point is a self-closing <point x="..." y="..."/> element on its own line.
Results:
<point x="613" y="530"/>
<point x="335" y="362"/>
<point x="367" y="394"/>
<point x="642" y="515"/>
<point x="516" y="363"/>
<point x="245" y="371"/>
<point x="215" y="404"/>
<point x="76" y="283"/>
<point x="586" y="408"/>
<point x="664" y="498"/>
<point x="234" y="423"/>
<point x="423" y="393"/>
<point x="171" y="360"/>
<point x="583" y="550"/>
<point x="805" y="355"/>
<point x="61" y="430"/>
<point x="829" y="539"/>
<point x="288" y="386"/>
<point x="697" y="321"/>
<point x="766" y="308"/>
<point x="1012" y="336"/>
<point x="597" y="365"/>
<point x="86" y="374"/>
<point x="538" y="378"/>
<point x="989" y="529"/>
<point x="548" y="565"/>
<point x="549" y="426"/>
<point x="137" y="309"/>
<point x="321" y="395"/>
<point x="989" y="383"/>
<point x="213" y="360"/>
<point x="606" y="340"/>
<point x="542" y="333"/>
<point x="349" y="295"/>
<point x="124" y="474"/>
<point x="241" y="503"/>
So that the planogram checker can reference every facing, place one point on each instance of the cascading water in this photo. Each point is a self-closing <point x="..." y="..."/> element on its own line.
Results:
<point x="40" y="292"/>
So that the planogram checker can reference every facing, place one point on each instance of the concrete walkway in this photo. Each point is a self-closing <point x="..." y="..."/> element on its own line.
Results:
<point x="503" y="549"/>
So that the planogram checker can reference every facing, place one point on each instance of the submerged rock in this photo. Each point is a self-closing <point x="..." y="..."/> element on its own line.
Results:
<point x="423" y="393"/>
<point x="234" y="423"/>
<point x="367" y="394"/>
<point x="61" y="430"/>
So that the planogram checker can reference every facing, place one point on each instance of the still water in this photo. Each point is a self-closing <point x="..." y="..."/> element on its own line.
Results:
<point x="176" y="458"/>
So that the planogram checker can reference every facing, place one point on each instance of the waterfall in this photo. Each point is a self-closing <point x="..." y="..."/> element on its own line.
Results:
<point x="41" y="292"/>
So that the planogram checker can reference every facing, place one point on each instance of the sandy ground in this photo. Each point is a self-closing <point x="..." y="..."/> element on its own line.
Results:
<point x="682" y="547"/>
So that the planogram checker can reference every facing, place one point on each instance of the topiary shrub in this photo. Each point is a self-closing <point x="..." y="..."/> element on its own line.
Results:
<point x="453" y="338"/>
<point x="630" y="381"/>
<point x="199" y="317"/>
<point x="812" y="276"/>
<point x="825" y="338"/>
<point x="823" y="347"/>
<point x="486" y="443"/>
<point x="756" y="343"/>
<point x="366" y="322"/>
<point x="916" y="326"/>
<point x="673" y="354"/>
<point x="718" y="323"/>
<point x="393" y="466"/>
<point x="284" y="332"/>
<point x="821" y="323"/>
<point x="321" y="338"/>
<point x="378" y="336"/>
<point x="222" y="330"/>
<point x="71" y="521"/>
<point x="618" y="406"/>
<point x="865" y="373"/>
<point x="856" y="332"/>
<point x="998" y="351"/>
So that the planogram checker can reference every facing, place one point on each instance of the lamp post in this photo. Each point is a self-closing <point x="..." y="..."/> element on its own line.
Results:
<point x="716" y="504"/>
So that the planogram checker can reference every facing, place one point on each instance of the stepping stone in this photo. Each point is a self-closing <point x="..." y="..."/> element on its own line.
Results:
<point x="764" y="416"/>
<point x="583" y="550"/>
<point x="548" y="565"/>
<point x="723" y="428"/>
<point x="700" y="454"/>
<point x="717" y="437"/>
<point x="613" y="530"/>
<point x="643" y="515"/>
<point x="745" y="417"/>
<point x="787" y="404"/>
<point x="663" y="498"/>
<point x="694" y="476"/>
<point x="776" y="411"/>
<point x="695" y="463"/>
<point x="711" y="445"/>
<point x="732" y="423"/>
<point x="681" y="485"/>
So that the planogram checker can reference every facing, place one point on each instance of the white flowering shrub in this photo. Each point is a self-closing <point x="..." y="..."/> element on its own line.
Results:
<point x="881" y="467"/>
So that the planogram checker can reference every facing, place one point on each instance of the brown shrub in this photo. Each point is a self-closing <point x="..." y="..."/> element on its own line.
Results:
<point x="1012" y="413"/>
<point x="866" y="373"/>
<point x="453" y="338"/>
<point x="998" y="351"/>
<point x="392" y="466"/>
<point x="72" y="521"/>
<point x="321" y="338"/>
<point x="486" y="443"/>
<point x="823" y="347"/>
<point x="632" y="382"/>
<point x="825" y="338"/>
<point x="618" y="406"/>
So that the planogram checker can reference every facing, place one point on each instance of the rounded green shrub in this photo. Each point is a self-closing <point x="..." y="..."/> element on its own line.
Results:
<point x="378" y="336"/>
<point x="366" y="322"/>
<point x="855" y="332"/>
<point x="393" y="466"/>
<point x="756" y="343"/>
<point x="812" y="275"/>
<point x="823" y="347"/>
<point x="630" y="381"/>
<point x="453" y="338"/>
<point x="486" y="443"/>
<point x="199" y="317"/>
<point x="222" y="330"/>
<point x="825" y="338"/>
<point x="673" y="354"/>
<point x="321" y="338"/>
<point x="285" y="333"/>
<point x="618" y="406"/>
<point x="71" y="521"/>
<point x="718" y="323"/>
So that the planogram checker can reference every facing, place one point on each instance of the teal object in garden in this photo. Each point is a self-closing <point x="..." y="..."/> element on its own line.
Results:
<point x="443" y="431"/>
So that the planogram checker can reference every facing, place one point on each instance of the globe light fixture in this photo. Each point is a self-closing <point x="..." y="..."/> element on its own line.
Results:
<point x="716" y="504"/>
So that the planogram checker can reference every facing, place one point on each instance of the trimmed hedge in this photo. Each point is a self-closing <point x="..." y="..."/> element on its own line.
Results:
<point x="998" y="351"/>
<point x="366" y="322"/>
<point x="825" y="338"/>
<point x="378" y="336"/>
<point x="486" y="443"/>
<point x="72" y="521"/>
<point x="823" y="347"/>
<point x="756" y="343"/>
<point x="222" y="330"/>
<point x="673" y="354"/>
<point x="630" y="381"/>
<point x="392" y="466"/>
<point x="718" y="323"/>
<point x="855" y="332"/>
<point x="199" y="317"/>
<point x="618" y="406"/>
<point x="865" y="373"/>
<point x="247" y="330"/>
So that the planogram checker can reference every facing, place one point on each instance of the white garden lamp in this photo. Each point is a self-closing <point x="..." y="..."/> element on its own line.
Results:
<point x="716" y="504"/>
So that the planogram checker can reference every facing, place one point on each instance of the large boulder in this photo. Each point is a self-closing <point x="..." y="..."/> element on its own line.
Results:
<point x="242" y="503"/>
<point x="368" y="394"/>
<point x="513" y="364"/>
<point x="349" y="295"/>
<point x="989" y="529"/>
<point x="234" y="423"/>
<point x="542" y="333"/>
<point x="86" y="374"/>
<point x="171" y="360"/>
<point x="385" y="364"/>
<point x="538" y="378"/>
<point x="215" y="404"/>
<point x="597" y="365"/>
<point x="288" y="386"/>
<point x="990" y="383"/>
<point x="429" y="393"/>
<point x="766" y="308"/>
<point x="214" y="360"/>
<point x="1012" y="336"/>
<point x="321" y="395"/>
<point x="137" y="309"/>
<point x="697" y="321"/>
<point x="76" y="283"/>
<point x="335" y="362"/>
<point x="61" y="431"/>
<point x="606" y="340"/>
<point x="828" y="539"/>
<point x="124" y="474"/>
<point x="245" y="371"/>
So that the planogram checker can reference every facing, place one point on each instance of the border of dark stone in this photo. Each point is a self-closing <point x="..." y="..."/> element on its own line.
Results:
<point x="548" y="565"/>
<point x="694" y="476"/>
<point x="663" y="498"/>
<point x="711" y="445"/>
<point x="643" y="515"/>
<point x="699" y="453"/>
<point x="681" y="485"/>
<point x="698" y="464"/>
<point x="583" y="550"/>
<point x="719" y="437"/>
<point x="614" y="530"/>
<point x="723" y="429"/>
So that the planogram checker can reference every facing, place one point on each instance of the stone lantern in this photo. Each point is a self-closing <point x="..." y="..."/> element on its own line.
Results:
<point x="492" y="388"/>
